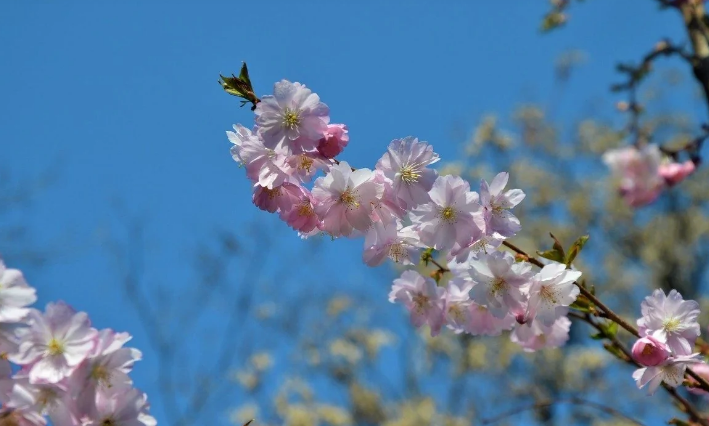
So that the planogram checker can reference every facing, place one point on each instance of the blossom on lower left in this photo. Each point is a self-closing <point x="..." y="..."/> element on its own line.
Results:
<point x="65" y="369"/>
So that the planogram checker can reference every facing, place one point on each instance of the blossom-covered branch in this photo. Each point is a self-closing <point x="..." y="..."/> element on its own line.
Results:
<point x="410" y="214"/>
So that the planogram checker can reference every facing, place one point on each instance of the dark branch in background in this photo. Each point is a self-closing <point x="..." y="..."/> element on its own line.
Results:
<point x="167" y="344"/>
<point x="573" y="400"/>
<point x="635" y="75"/>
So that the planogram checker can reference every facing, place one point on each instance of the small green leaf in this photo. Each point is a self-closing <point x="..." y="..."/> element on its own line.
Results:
<point x="576" y="249"/>
<point x="581" y="304"/>
<point x="598" y="336"/>
<point x="611" y="329"/>
<point x="554" y="255"/>
<point x="557" y="246"/>
<point x="244" y="74"/>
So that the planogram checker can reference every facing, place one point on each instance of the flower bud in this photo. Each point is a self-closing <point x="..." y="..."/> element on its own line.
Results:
<point x="334" y="141"/>
<point x="649" y="351"/>
<point x="674" y="173"/>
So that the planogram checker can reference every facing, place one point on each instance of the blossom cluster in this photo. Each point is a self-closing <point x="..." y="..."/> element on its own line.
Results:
<point x="643" y="173"/>
<point x="404" y="209"/>
<point x="668" y="329"/>
<point x="55" y="364"/>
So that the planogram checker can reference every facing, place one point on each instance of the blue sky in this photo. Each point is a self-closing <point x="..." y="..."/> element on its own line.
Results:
<point x="123" y="101"/>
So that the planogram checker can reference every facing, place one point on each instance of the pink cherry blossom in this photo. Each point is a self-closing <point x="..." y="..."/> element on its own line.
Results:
<point x="452" y="215"/>
<point x="267" y="167"/>
<point x="344" y="199"/>
<point x="121" y="407"/>
<point x="386" y="208"/>
<point x="482" y="322"/>
<point x="458" y="313"/>
<point x="303" y="166"/>
<point x="422" y="297"/>
<point x="649" y="351"/>
<point x="498" y="282"/>
<point x="107" y="365"/>
<point x="398" y="243"/>
<point x="302" y="216"/>
<point x="15" y="295"/>
<point x="293" y="113"/>
<point x="282" y="198"/>
<point x="484" y="244"/>
<point x="670" y="319"/>
<point x="671" y="372"/>
<point x="551" y="291"/>
<point x="334" y="141"/>
<point x="56" y="343"/>
<point x="405" y="165"/>
<point x="535" y="335"/>
<point x="674" y="173"/>
<point x="638" y="172"/>
<point x="496" y="204"/>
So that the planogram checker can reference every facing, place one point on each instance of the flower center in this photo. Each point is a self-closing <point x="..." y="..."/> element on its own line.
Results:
<point x="101" y="375"/>
<point x="498" y="287"/>
<point x="305" y="209"/>
<point x="548" y="294"/>
<point x="349" y="198"/>
<point x="273" y="193"/>
<point x="55" y="347"/>
<point x="108" y="422"/>
<point x="448" y="214"/>
<point x="456" y="312"/>
<point x="648" y="350"/>
<point x="397" y="252"/>
<point x="305" y="163"/>
<point x="46" y="397"/>
<point x="409" y="174"/>
<point x="420" y="301"/>
<point x="671" y="324"/>
<point x="291" y="119"/>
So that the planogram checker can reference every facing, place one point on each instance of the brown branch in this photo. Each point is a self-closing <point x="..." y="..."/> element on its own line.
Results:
<point x="573" y="400"/>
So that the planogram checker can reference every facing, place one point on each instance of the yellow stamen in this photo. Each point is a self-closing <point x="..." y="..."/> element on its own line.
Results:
<point x="55" y="347"/>
<point x="291" y="119"/>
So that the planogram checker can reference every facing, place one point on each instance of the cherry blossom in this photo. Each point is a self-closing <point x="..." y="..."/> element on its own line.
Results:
<point x="535" y="335"/>
<point x="496" y="204"/>
<point x="670" y="372"/>
<point x="498" y="282"/>
<point x="452" y="215"/>
<point x="56" y="343"/>
<point x="637" y="169"/>
<point x="422" y="297"/>
<point x="405" y="165"/>
<point x="649" y="351"/>
<point x="333" y="141"/>
<point x="292" y="117"/>
<point x="398" y="243"/>
<point x="344" y="199"/>
<point x="551" y="291"/>
<point x="670" y="319"/>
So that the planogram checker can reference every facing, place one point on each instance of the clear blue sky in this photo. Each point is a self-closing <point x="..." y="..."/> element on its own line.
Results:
<point x="123" y="100"/>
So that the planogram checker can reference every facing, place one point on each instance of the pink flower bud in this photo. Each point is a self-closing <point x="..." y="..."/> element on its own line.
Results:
<point x="334" y="141"/>
<point x="674" y="173"/>
<point x="649" y="351"/>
